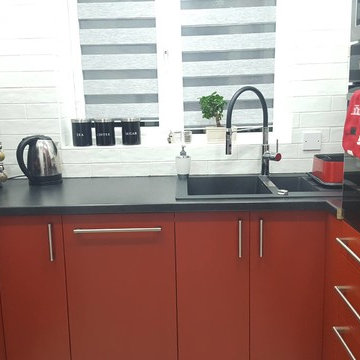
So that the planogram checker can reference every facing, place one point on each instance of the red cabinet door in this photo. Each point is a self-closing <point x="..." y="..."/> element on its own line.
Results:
<point x="33" y="292"/>
<point x="286" y="285"/>
<point x="2" y="340"/>
<point x="212" y="252"/>
<point x="121" y="286"/>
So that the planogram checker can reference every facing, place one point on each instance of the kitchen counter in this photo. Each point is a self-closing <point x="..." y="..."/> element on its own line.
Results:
<point x="133" y="195"/>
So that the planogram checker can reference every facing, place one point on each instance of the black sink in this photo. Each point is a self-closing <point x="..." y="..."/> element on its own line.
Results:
<point x="211" y="185"/>
<point x="249" y="186"/>
<point x="294" y="183"/>
<point x="221" y="187"/>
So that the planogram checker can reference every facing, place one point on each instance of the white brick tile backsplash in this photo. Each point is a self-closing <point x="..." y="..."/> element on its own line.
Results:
<point x="12" y="111"/>
<point x="319" y="54"/>
<point x="120" y="169"/>
<point x="74" y="170"/>
<point x="199" y="167"/>
<point x="27" y="21"/>
<point x="27" y="79"/>
<point x="325" y="149"/>
<point x="28" y="63"/>
<point x="163" y="168"/>
<point x="24" y="127"/>
<point x="318" y="87"/>
<point x="40" y="111"/>
<point x="339" y="103"/>
<point x="35" y="97"/>
<point x="27" y="47"/>
<point x="287" y="151"/>
<point x="322" y="119"/>
<point x="291" y="166"/>
<point x="234" y="167"/>
<point x="303" y="72"/>
<point x="336" y="134"/>
<point x="295" y="120"/>
<point x="212" y="152"/>
<point x="310" y="103"/>
<point x="141" y="153"/>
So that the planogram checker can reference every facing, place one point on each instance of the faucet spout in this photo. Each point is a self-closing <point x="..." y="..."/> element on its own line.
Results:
<point x="265" y="127"/>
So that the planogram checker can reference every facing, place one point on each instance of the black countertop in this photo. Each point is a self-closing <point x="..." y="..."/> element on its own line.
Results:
<point x="132" y="195"/>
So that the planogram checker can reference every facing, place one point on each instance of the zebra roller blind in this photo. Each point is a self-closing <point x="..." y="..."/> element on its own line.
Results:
<point x="228" y="44"/>
<point x="118" y="47"/>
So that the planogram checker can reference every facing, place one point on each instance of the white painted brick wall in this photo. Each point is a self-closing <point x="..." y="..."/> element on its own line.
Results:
<point x="36" y="93"/>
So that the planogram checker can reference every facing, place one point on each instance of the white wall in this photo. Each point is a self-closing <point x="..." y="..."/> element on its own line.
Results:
<point x="37" y="92"/>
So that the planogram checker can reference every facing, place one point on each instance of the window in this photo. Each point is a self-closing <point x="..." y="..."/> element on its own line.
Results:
<point x="119" y="60"/>
<point x="228" y="44"/>
<point x="128" y="50"/>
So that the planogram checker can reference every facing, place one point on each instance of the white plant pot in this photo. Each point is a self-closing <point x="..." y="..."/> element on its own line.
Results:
<point x="217" y="135"/>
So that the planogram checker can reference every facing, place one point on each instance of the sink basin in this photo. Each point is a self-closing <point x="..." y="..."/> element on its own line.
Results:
<point x="294" y="183"/>
<point x="226" y="185"/>
<point x="249" y="186"/>
<point x="221" y="187"/>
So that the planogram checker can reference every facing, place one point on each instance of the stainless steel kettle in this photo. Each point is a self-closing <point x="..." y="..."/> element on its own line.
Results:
<point x="43" y="162"/>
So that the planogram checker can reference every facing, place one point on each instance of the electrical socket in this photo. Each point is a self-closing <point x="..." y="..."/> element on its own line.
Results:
<point x="312" y="141"/>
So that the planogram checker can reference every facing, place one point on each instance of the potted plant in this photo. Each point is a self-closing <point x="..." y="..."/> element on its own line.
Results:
<point x="212" y="107"/>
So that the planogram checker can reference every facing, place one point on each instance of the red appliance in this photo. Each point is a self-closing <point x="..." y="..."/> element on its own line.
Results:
<point x="329" y="168"/>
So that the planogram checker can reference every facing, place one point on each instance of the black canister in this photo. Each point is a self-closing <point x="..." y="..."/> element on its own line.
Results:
<point x="105" y="133"/>
<point x="81" y="132"/>
<point x="131" y="131"/>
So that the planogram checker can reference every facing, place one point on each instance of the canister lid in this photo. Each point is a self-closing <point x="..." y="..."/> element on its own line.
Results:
<point x="108" y="120"/>
<point x="131" y="119"/>
<point x="80" y="121"/>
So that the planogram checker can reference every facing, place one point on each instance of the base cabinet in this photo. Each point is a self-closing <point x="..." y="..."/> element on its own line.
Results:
<point x="250" y="286"/>
<point x="212" y="251"/>
<point x="121" y="286"/>
<point x="32" y="286"/>
<point x="286" y="285"/>
<point x="342" y="295"/>
<point x="214" y="285"/>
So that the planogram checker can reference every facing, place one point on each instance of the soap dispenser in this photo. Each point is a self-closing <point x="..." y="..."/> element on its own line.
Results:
<point x="183" y="163"/>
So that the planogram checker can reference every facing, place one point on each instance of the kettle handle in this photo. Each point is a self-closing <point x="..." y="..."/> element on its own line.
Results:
<point x="20" y="153"/>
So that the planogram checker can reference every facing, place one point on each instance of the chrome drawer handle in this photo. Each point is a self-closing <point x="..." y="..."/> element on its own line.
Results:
<point x="240" y="239"/>
<point x="261" y="235"/>
<point x="339" y="290"/>
<point x="342" y="243"/>
<point x="50" y="239"/>
<point x="116" y="230"/>
<point x="338" y="330"/>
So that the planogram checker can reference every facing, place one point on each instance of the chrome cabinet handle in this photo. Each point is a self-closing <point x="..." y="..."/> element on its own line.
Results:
<point x="50" y="239"/>
<point x="261" y="239"/>
<point x="339" y="290"/>
<point x="342" y="243"/>
<point x="116" y="230"/>
<point x="240" y="239"/>
<point x="338" y="330"/>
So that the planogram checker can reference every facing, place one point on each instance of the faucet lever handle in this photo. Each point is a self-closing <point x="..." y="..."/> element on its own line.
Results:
<point x="277" y="156"/>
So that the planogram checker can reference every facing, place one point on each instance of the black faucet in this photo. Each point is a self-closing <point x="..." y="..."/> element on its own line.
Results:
<point x="266" y="154"/>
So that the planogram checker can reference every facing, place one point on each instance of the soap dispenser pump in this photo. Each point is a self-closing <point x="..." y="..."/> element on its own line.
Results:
<point x="183" y="162"/>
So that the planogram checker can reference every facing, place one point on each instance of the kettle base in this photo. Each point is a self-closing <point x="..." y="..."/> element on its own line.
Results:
<point x="46" y="180"/>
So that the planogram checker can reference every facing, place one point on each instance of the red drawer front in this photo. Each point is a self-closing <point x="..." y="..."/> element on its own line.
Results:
<point x="349" y="245"/>
<point x="349" y="330"/>
<point x="347" y="302"/>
